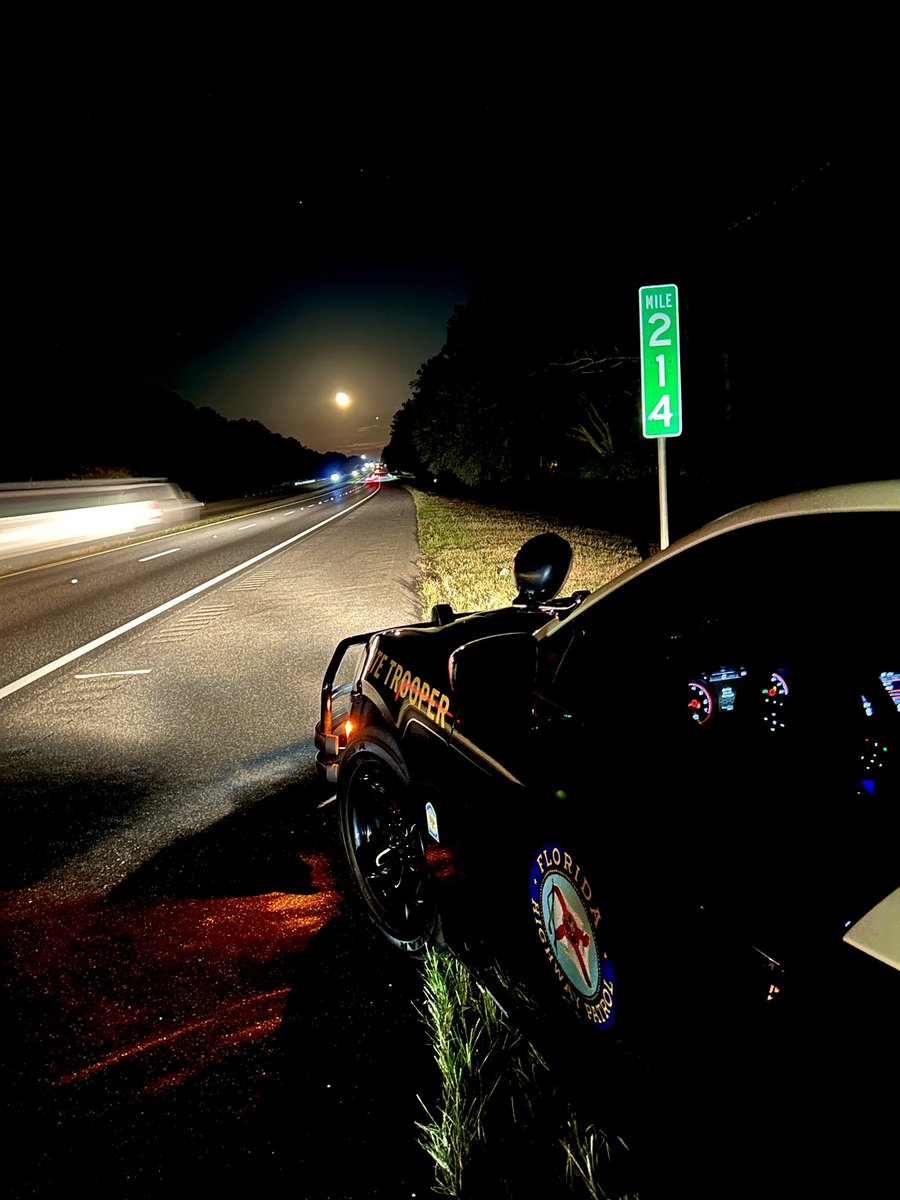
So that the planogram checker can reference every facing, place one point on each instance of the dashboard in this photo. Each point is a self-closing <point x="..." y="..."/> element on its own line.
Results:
<point x="738" y="699"/>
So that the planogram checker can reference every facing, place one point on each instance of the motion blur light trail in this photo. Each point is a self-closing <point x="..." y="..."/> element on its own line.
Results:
<point x="59" y="513"/>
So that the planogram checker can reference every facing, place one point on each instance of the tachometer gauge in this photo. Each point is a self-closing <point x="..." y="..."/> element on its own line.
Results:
<point x="701" y="704"/>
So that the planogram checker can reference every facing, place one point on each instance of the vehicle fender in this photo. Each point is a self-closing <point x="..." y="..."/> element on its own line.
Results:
<point x="374" y="734"/>
<point x="371" y="711"/>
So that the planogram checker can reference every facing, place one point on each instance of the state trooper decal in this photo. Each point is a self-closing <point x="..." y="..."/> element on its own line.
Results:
<point x="566" y="923"/>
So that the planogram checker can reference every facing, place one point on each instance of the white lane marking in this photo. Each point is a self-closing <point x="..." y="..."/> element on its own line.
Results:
<point x="162" y="554"/>
<point x="105" y="674"/>
<point x="252" y="525"/>
<point x="34" y="676"/>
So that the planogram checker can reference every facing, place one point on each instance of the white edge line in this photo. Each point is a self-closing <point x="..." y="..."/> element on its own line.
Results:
<point x="34" y="676"/>
<point x="106" y="674"/>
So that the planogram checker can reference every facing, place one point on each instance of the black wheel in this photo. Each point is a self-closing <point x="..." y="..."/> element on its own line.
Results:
<point x="384" y="847"/>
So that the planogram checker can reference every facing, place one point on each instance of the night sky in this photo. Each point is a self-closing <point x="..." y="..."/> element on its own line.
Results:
<point x="256" y="239"/>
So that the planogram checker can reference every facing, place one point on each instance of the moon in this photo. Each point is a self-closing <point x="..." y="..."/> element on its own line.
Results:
<point x="342" y="399"/>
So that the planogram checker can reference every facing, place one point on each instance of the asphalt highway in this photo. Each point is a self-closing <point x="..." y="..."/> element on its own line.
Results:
<point x="190" y="1001"/>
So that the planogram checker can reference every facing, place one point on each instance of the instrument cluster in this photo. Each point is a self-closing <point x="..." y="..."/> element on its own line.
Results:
<point x="729" y="690"/>
<point x="736" y="698"/>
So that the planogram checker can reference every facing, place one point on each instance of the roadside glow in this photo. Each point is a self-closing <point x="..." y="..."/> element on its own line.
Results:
<point x="342" y="399"/>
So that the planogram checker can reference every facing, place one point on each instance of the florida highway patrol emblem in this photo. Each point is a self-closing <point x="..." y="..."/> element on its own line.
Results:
<point x="566" y="921"/>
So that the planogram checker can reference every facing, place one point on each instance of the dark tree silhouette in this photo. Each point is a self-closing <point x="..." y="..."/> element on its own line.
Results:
<point x="146" y="430"/>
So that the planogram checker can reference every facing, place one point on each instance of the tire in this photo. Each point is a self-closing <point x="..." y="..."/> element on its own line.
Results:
<point x="384" y="847"/>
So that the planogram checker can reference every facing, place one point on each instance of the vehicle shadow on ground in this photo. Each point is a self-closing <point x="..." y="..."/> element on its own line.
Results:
<point x="334" y="1115"/>
<point x="354" y="1069"/>
<point x="299" y="1077"/>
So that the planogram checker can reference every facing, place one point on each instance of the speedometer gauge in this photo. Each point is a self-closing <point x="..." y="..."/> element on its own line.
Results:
<point x="700" y="702"/>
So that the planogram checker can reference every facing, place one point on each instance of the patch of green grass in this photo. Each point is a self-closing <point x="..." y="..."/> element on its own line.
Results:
<point x="467" y="552"/>
<point x="502" y="1130"/>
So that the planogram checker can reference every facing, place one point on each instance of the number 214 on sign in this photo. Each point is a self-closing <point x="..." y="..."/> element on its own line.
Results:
<point x="660" y="366"/>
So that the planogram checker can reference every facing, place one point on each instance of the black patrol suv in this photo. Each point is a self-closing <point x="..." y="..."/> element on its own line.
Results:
<point x="663" y="816"/>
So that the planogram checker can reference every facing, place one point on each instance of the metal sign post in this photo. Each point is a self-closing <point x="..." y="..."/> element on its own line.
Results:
<point x="660" y="379"/>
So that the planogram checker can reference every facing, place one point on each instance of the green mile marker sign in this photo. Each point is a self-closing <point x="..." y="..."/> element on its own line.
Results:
<point x="660" y="366"/>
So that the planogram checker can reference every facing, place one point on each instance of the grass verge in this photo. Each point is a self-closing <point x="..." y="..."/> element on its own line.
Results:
<point x="467" y="552"/>
<point x="502" y="1129"/>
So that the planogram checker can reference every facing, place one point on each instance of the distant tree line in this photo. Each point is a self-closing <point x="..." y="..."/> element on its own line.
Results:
<point x="147" y="430"/>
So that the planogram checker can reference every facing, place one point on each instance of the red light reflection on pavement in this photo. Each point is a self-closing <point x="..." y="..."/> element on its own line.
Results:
<point x="142" y="996"/>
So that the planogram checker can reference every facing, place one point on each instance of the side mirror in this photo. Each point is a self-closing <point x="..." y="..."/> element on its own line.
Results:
<point x="493" y="682"/>
<point x="540" y="568"/>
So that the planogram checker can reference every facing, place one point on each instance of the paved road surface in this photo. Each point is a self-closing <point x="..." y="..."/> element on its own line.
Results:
<point x="220" y="1018"/>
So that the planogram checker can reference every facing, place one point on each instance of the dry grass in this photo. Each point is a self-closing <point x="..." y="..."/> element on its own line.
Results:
<point x="467" y="552"/>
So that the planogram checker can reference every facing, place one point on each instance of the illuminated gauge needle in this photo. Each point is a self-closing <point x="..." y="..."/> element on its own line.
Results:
<point x="701" y="703"/>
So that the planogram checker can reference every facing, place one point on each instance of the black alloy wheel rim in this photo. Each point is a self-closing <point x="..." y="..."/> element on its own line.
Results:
<point x="387" y="849"/>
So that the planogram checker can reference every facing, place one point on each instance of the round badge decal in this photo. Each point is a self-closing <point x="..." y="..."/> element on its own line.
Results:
<point x="566" y="920"/>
